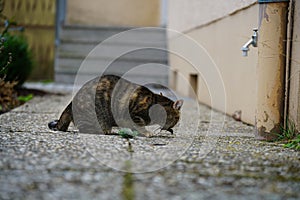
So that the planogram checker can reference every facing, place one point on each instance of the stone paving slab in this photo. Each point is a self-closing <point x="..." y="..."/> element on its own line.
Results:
<point x="225" y="163"/>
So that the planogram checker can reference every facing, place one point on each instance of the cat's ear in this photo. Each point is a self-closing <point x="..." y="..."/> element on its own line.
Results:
<point x="161" y="94"/>
<point x="178" y="104"/>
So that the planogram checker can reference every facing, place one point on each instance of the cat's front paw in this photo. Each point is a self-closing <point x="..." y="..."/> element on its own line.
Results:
<point x="147" y="134"/>
<point x="53" y="125"/>
<point x="170" y="130"/>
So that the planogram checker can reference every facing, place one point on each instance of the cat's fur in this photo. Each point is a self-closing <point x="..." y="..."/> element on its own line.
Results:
<point x="113" y="101"/>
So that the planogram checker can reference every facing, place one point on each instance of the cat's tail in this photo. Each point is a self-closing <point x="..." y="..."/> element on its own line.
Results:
<point x="64" y="121"/>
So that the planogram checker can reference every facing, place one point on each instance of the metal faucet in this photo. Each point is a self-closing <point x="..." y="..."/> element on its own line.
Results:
<point x="252" y="41"/>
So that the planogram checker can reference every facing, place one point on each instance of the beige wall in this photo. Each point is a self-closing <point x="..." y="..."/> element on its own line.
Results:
<point x="223" y="40"/>
<point x="114" y="12"/>
<point x="184" y="15"/>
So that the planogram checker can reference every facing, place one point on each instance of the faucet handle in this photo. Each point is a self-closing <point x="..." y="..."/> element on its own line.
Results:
<point x="255" y="29"/>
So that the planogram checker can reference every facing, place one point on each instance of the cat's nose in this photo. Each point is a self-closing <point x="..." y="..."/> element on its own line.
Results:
<point x="52" y="125"/>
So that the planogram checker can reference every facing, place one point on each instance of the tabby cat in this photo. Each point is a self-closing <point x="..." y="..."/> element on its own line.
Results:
<point x="109" y="101"/>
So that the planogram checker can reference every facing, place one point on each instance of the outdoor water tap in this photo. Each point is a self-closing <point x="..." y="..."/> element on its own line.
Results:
<point x="252" y="41"/>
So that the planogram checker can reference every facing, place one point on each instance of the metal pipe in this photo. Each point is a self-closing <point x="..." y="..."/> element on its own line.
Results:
<point x="271" y="67"/>
<point x="60" y="18"/>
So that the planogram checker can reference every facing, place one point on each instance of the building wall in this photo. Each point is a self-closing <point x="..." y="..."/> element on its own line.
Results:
<point x="294" y="80"/>
<point x="114" y="12"/>
<point x="222" y="29"/>
<point x="186" y="15"/>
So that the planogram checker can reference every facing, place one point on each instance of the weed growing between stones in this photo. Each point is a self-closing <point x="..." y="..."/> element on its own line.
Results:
<point x="294" y="143"/>
<point x="127" y="133"/>
<point x="289" y="135"/>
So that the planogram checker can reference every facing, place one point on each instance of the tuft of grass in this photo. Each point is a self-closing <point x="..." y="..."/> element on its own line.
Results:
<point x="289" y="135"/>
<point x="289" y="132"/>
<point x="294" y="143"/>
<point x="25" y="98"/>
<point x="47" y="81"/>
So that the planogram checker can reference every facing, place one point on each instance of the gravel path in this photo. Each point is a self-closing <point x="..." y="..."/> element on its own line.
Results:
<point x="206" y="158"/>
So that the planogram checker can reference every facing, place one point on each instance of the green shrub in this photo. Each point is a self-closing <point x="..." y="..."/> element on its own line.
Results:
<point x="20" y="59"/>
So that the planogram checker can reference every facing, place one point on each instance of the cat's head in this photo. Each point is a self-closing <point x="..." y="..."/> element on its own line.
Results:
<point x="172" y="111"/>
<point x="173" y="114"/>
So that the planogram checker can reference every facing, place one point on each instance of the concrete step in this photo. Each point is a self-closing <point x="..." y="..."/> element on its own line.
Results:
<point x="85" y="34"/>
<point x="95" y="66"/>
<point x="68" y="78"/>
<point x="77" y="50"/>
<point x="142" y="47"/>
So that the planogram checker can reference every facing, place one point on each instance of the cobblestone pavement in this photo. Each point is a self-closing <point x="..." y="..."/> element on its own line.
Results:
<point x="226" y="162"/>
